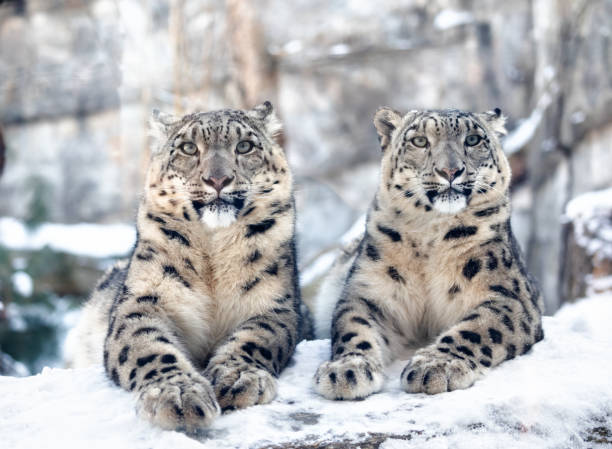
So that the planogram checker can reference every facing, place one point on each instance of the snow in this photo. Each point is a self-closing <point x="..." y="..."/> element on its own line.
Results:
<point x="84" y="239"/>
<point x="23" y="284"/>
<point x="551" y="397"/>
<point x="449" y="18"/>
<point x="355" y="232"/>
<point x="525" y="131"/>
<point x="293" y="46"/>
<point x="598" y="284"/>
<point x="322" y="263"/>
<point x="591" y="215"/>
<point x="339" y="50"/>
<point x="318" y="267"/>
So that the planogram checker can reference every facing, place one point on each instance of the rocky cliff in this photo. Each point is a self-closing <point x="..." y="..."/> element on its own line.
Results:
<point x="78" y="79"/>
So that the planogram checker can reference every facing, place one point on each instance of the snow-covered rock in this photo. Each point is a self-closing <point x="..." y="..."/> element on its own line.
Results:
<point x="558" y="395"/>
<point x="84" y="239"/>
<point x="587" y="268"/>
<point x="591" y="215"/>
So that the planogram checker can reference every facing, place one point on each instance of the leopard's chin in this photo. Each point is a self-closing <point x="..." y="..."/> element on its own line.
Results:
<point x="218" y="218"/>
<point x="450" y="201"/>
<point x="450" y="206"/>
<point x="218" y="214"/>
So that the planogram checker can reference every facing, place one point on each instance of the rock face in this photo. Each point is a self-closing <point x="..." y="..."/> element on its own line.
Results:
<point x="77" y="80"/>
<point x="568" y="150"/>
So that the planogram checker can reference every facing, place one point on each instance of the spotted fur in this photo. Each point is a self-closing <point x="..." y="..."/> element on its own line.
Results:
<point x="206" y="314"/>
<point x="437" y="276"/>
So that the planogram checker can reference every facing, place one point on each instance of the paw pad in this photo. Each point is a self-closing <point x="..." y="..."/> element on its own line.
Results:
<point x="182" y="403"/>
<point x="241" y="386"/>
<point x="348" y="378"/>
<point x="431" y="371"/>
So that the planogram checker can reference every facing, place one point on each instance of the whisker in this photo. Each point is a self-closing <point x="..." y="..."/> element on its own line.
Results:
<point x="486" y="187"/>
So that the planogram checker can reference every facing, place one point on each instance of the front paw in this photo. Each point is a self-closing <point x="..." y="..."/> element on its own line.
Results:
<point x="432" y="372"/>
<point x="351" y="377"/>
<point x="241" y="385"/>
<point x="184" y="403"/>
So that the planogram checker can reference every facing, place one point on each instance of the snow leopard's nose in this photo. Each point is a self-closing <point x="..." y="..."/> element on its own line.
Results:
<point x="450" y="173"/>
<point x="218" y="183"/>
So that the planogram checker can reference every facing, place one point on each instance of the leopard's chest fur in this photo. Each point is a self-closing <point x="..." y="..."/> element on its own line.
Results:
<point x="212" y="276"/>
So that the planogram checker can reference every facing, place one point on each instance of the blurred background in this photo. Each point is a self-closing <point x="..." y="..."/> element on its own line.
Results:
<point x="79" y="78"/>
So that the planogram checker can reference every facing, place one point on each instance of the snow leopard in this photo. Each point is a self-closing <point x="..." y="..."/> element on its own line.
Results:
<point x="205" y="314"/>
<point x="437" y="277"/>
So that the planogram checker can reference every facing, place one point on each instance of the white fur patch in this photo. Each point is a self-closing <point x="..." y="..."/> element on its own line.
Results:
<point x="216" y="217"/>
<point x="450" y="204"/>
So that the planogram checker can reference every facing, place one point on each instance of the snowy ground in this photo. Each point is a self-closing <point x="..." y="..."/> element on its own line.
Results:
<point x="557" y="396"/>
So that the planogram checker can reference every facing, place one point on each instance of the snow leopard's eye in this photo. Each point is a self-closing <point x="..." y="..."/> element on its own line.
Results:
<point x="189" y="148"/>
<point x="419" y="141"/>
<point x="472" y="140"/>
<point x="244" y="146"/>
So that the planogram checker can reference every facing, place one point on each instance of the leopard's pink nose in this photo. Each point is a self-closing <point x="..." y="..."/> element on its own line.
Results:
<point x="219" y="183"/>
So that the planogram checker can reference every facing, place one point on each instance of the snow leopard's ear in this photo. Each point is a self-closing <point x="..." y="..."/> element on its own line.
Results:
<point x="160" y="125"/>
<point x="386" y="120"/>
<point x="264" y="114"/>
<point x="495" y="120"/>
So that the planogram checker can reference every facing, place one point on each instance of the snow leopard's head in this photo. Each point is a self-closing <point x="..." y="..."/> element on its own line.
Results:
<point x="214" y="163"/>
<point x="442" y="160"/>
